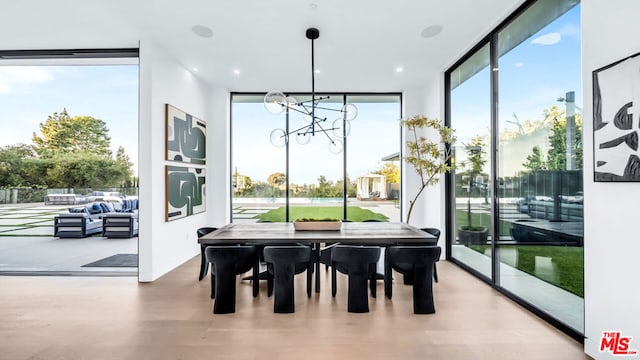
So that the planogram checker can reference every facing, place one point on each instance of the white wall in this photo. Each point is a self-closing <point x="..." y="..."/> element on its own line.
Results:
<point x="429" y="210"/>
<point x="218" y="160"/>
<point x="165" y="245"/>
<point x="612" y="248"/>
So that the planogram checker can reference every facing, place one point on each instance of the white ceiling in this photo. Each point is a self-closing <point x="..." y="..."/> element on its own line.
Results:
<point x="361" y="43"/>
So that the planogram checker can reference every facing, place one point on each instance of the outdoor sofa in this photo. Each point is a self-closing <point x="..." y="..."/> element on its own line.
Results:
<point x="119" y="220"/>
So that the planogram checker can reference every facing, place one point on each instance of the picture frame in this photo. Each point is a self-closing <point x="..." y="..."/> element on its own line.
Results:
<point x="186" y="137"/>
<point x="185" y="191"/>
<point x="616" y="110"/>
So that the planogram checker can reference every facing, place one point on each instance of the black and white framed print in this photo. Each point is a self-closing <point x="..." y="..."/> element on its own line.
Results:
<point x="616" y="110"/>
<point x="186" y="137"/>
<point x="185" y="191"/>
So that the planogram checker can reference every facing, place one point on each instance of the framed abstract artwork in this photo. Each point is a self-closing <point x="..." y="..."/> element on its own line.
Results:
<point x="185" y="191"/>
<point x="186" y="137"/>
<point x="616" y="110"/>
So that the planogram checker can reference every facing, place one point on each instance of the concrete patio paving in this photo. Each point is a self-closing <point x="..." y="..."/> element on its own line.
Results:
<point x="27" y="245"/>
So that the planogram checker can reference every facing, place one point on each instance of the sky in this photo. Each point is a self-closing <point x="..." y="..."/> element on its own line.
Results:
<point x="375" y="133"/>
<point x="532" y="76"/>
<point x="28" y="94"/>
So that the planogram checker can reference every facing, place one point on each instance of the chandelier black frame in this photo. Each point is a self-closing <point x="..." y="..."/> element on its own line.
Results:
<point x="276" y="102"/>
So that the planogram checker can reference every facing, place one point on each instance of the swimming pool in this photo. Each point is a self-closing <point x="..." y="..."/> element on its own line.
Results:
<point x="243" y="200"/>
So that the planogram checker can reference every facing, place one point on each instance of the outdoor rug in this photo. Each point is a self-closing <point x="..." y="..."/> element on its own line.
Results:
<point x="118" y="260"/>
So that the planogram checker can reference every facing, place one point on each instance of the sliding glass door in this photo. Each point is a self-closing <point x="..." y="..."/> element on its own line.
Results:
<point x="515" y="105"/>
<point x="540" y="160"/>
<point x="471" y="118"/>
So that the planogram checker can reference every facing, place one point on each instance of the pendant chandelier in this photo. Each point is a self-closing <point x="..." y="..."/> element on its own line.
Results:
<point x="276" y="103"/>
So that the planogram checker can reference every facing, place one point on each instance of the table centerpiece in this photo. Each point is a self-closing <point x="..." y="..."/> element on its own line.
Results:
<point x="317" y="224"/>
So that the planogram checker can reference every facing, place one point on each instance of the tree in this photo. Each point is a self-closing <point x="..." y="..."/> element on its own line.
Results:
<point x="81" y="170"/>
<point x="390" y="171"/>
<point x="62" y="133"/>
<point x="18" y="166"/>
<point x="476" y="150"/>
<point x="555" y="121"/>
<point x="277" y="179"/>
<point x="125" y="164"/>
<point x="428" y="158"/>
<point x="557" y="154"/>
<point x="535" y="161"/>
<point x="323" y="186"/>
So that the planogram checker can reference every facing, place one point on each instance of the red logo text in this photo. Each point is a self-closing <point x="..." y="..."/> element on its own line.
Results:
<point x="614" y="342"/>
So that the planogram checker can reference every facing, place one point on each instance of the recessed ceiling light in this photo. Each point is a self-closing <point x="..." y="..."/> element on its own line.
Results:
<point x="431" y="31"/>
<point x="195" y="69"/>
<point x="202" y="31"/>
<point x="399" y="69"/>
<point x="236" y="71"/>
<point x="317" y="71"/>
<point x="313" y="6"/>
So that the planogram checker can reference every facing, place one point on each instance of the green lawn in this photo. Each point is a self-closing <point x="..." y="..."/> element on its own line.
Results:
<point x="568" y="264"/>
<point x="320" y="212"/>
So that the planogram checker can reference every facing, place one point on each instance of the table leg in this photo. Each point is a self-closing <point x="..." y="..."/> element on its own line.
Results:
<point x="316" y="253"/>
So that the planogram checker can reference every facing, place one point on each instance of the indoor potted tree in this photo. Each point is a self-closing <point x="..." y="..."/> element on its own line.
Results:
<point x="429" y="157"/>
<point x="476" y="159"/>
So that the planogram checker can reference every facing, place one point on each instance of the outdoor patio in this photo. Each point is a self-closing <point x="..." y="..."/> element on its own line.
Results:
<point x="27" y="245"/>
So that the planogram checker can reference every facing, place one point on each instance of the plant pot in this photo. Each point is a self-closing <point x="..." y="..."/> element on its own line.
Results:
<point x="317" y="225"/>
<point x="476" y="235"/>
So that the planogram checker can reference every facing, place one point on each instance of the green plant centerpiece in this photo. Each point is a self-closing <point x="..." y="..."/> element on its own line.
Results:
<point x="313" y="219"/>
<point x="431" y="156"/>
<point x="323" y="224"/>
<point x="476" y="159"/>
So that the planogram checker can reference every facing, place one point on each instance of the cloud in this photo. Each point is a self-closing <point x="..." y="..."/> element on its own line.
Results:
<point x="547" y="39"/>
<point x="518" y="64"/>
<point x="19" y="78"/>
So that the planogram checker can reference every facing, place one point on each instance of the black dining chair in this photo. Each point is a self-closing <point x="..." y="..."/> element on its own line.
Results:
<point x="435" y="232"/>
<point x="359" y="263"/>
<point x="204" y="264"/>
<point x="417" y="261"/>
<point x="227" y="263"/>
<point x="407" y="279"/>
<point x="380" y="265"/>
<point x="262" y="274"/>
<point x="325" y="252"/>
<point x="283" y="263"/>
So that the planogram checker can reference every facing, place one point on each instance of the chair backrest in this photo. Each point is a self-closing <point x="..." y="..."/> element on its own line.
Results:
<point x="355" y="254"/>
<point x="204" y="231"/>
<point x="433" y="231"/>
<point x="287" y="254"/>
<point x="404" y="257"/>
<point x="243" y="258"/>
<point x="284" y="255"/>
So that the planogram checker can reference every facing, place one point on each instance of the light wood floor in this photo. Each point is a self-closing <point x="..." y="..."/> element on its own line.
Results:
<point x="171" y="318"/>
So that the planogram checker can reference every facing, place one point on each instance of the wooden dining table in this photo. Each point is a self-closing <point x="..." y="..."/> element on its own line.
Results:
<point x="352" y="233"/>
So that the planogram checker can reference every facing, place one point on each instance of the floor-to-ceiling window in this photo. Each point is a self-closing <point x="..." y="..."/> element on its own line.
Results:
<point x="348" y="169"/>
<point x="68" y="140"/>
<point x="316" y="161"/>
<point x="258" y="168"/>
<point x="471" y="118"/>
<point x="533" y="140"/>
<point x="373" y="158"/>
